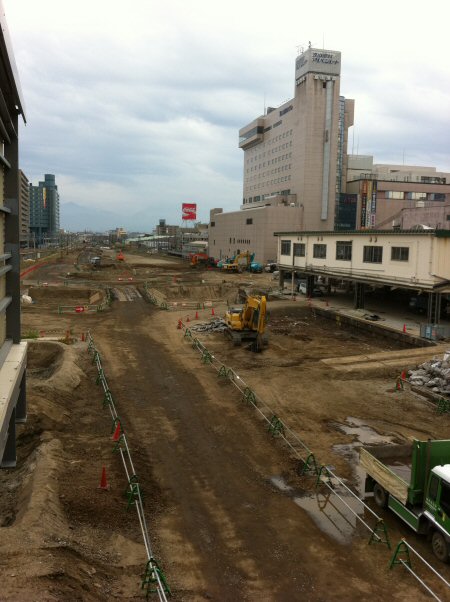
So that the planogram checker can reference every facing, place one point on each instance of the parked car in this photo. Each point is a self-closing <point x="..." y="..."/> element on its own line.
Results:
<point x="317" y="292"/>
<point x="271" y="266"/>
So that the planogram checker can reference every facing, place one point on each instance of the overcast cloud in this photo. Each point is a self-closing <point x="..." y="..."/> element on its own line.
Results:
<point x="136" y="107"/>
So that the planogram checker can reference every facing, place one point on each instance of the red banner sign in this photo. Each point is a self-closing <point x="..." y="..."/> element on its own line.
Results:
<point x="189" y="211"/>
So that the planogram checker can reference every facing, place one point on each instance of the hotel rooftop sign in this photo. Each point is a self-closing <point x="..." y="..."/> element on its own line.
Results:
<point x="313" y="60"/>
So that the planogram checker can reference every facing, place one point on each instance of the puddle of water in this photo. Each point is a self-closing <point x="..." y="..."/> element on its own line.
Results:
<point x="327" y="511"/>
<point x="280" y="484"/>
<point x="365" y="434"/>
<point x="331" y="515"/>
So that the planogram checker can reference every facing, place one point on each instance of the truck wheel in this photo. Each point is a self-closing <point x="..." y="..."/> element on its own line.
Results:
<point x="440" y="546"/>
<point x="380" y="496"/>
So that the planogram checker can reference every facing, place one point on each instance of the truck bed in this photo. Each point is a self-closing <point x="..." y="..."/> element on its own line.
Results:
<point x="390" y="466"/>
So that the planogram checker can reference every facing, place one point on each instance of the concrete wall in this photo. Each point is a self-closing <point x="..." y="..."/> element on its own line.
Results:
<point x="231" y="232"/>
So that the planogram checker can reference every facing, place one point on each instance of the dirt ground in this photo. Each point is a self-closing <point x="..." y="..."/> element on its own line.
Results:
<point x="228" y="516"/>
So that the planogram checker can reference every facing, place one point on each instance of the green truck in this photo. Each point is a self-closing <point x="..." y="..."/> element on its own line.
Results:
<point x="414" y="482"/>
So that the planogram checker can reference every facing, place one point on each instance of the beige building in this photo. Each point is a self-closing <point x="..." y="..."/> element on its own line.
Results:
<point x="381" y="192"/>
<point x="298" y="150"/>
<point x="294" y="163"/>
<point x="251" y="230"/>
<point x="13" y="353"/>
<point x="417" y="261"/>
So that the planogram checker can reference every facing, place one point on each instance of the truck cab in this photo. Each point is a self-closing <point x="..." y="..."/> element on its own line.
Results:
<point x="437" y="510"/>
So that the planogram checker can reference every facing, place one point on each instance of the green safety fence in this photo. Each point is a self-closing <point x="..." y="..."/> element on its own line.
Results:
<point x="153" y="579"/>
<point x="277" y="428"/>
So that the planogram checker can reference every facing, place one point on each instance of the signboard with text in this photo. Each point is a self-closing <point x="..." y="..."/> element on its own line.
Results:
<point x="189" y="211"/>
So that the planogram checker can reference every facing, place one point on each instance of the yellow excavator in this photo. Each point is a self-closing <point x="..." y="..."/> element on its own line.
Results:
<point x="248" y="323"/>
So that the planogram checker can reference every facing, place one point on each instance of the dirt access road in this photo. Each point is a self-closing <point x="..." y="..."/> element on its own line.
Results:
<point x="223" y="502"/>
<point x="224" y="531"/>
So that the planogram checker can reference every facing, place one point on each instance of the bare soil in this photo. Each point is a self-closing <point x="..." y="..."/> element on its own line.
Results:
<point x="229" y="518"/>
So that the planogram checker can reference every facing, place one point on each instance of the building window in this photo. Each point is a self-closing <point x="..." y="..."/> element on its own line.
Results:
<point x="320" y="251"/>
<point x="213" y="224"/>
<point x="394" y="194"/>
<point x="416" y="196"/>
<point x="299" y="249"/>
<point x="400" y="253"/>
<point x="285" y="247"/>
<point x="344" y="250"/>
<point x="373" y="255"/>
<point x="436" y="196"/>
<point x="249" y="221"/>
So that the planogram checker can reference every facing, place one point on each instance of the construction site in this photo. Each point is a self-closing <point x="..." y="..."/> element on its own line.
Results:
<point x="163" y="459"/>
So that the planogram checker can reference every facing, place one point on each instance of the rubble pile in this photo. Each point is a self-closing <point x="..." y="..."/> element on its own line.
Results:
<point x="214" y="325"/>
<point x="434" y="374"/>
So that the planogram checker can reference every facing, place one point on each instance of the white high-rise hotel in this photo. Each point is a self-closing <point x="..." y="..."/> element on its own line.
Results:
<point x="295" y="162"/>
<point x="300" y="147"/>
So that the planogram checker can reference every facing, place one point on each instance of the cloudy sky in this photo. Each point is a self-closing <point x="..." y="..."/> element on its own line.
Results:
<point x="136" y="106"/>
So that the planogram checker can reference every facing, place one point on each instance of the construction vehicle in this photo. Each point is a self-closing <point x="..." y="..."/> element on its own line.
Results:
<point x="201" y="259"/>
<point x="414" y="482"/>
<point x="248" y="323"/>
<point x="239" y="263"/>
<point x="255" y="267"/>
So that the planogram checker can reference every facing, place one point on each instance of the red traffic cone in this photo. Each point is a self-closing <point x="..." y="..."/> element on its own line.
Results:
<point x="403" y="375"/>
<point x="196" y="315"/>
<point x="103" y="482"/>
<point x="404" y="327"/>
<point x="82" y="337"/>
<point x="116" y="435"/>
<point x="187" y="319"/>
<point x="212" y="311"/>
<point x="180" y="324"/>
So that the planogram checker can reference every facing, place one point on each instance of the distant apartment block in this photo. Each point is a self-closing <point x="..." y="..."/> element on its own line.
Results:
<point x="44" y="210"/>
<point x="13" y="353"/>
<point x="379" y="194"/>
<point x="24" y="209"/>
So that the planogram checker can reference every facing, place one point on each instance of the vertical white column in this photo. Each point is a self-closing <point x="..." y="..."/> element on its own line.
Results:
<point x="327" y="148"/>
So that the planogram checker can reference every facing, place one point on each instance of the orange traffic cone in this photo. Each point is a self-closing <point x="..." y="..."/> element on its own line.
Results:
<point x="212" y="311"/>
<point x="116" y="435"/>
<point x="103" y="482"/>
